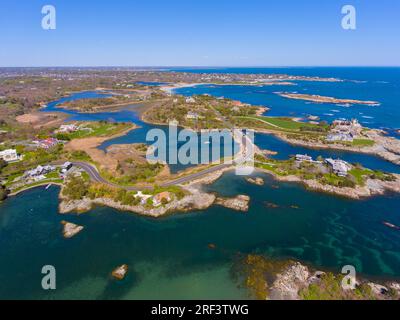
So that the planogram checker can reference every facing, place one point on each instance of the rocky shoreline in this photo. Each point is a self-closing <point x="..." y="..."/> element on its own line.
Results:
<point x="295" y="280"/>
<point x="372" y="187"/>
<point x="195" y="199"/>
<point x="387" y="148"/>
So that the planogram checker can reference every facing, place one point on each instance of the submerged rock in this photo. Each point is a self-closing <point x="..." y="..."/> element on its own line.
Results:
<point x="257" y="181"/>
<point x="120" y="272"/>
<point x="239" y="203"/>
<point x="70" y="229"/>
<point x="271" y="205"/>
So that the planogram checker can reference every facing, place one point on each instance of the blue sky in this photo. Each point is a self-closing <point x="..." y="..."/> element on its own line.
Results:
<point x="199" y="33"/>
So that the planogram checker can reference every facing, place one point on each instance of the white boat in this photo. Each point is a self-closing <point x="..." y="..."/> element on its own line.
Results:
<point x="48" y="186"/>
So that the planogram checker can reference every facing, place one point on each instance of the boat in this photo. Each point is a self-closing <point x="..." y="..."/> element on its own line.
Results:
<point x="391" y="225"/>
<point x="48" y="186"/>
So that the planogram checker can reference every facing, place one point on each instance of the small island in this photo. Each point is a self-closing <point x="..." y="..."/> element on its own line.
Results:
<point x="120" y="272"/>
<point x="70" y="229"/>
<point x="324" y="99"/>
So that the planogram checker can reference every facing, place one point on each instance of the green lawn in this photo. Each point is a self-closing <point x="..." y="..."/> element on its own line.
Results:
<point x="96" y="129"/>
<point x="358" y="174"/>
<point x="363" y="143"/>
<point x="287" y="124"/>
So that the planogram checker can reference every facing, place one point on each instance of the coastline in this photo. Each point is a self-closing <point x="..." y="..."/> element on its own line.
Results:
<point x="374" y="150"/>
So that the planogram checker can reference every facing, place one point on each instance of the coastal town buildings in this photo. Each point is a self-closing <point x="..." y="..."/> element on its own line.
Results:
<point x="10" y="155"/>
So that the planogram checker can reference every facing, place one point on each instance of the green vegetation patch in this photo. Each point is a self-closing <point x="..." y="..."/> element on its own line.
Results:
<point x="95" y="129"/>
<point x="363" y="143"/>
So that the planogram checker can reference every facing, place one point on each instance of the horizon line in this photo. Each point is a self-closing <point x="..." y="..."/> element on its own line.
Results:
<point x="204" y="67"/>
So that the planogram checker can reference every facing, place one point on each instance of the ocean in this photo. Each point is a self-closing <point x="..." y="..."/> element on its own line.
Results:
<point x="170" y="258"/>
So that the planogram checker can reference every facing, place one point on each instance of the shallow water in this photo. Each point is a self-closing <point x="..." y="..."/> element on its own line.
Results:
<point x="169" y="258"/>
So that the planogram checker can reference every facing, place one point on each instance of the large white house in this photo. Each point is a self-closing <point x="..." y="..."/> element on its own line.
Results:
<point x="10" y="155"/>
<point x="339" y="167"/>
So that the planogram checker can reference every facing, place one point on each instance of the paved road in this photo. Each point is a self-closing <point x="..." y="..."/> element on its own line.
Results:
<point x="96" y="177"/>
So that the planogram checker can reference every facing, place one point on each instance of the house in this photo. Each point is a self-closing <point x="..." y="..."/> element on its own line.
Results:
<point x="10" y="155"/>
<point x="303" y="157"/>
<point x="158" y="199"/>
<point x="65" y="167"/>
<point x="67" y="128"/>
<point x="39" y="171"/>
<point x="346" y="137"/>
<point x="352" y="127"/>
<point x="47" y="143"/>
<point x="339" y="167"/>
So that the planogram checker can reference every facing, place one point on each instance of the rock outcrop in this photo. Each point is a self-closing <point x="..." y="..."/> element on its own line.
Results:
<point x="70" y="229"/>
<point x="289" y="283"/>
<point x="239" y="203"/>
<point x="120" y="272"/>
<point x="257" y="181"/>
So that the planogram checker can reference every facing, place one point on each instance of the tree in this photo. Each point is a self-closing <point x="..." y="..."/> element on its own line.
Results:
<point x="3" y="164"/>
<point x="3" y="193"/>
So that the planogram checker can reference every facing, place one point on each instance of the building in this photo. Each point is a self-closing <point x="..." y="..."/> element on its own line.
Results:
<point x="10" y="155"/>
<point x="345" y="137"/>
<point x="347" y="127"/>
<point x="303" y="157"/>
<point x="67" y="128"/>
<point x="39" y="171"/>
<point x="339" y="167"/>
<point x="65" y="167"/>
<point x="159" y="198"/>
<point x="47" y="143"/>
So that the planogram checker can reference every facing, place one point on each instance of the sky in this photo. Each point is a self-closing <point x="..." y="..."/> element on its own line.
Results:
<point x="199" y="33"/>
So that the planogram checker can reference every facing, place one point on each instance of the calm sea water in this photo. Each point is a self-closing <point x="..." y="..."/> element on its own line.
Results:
<point x="169" y="258"/>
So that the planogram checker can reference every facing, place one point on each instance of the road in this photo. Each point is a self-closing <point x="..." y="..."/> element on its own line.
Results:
<point x="96" y="177"/>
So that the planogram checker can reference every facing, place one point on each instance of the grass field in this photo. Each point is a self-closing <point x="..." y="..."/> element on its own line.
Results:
<point x="363" y="143"/>
<point x="286" y="124"/>
<point x="96" y="129"/>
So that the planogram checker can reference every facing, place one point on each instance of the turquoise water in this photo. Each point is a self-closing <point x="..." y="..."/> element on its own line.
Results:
<point x="169" y="258"/>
